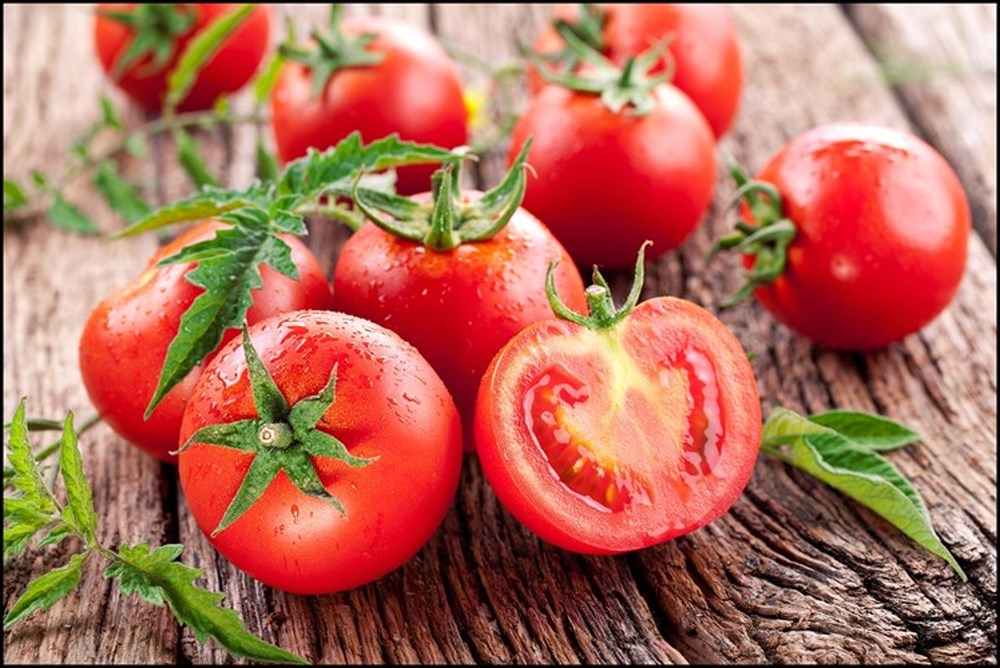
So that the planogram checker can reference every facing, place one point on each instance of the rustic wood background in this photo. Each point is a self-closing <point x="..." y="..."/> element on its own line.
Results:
<point x="795" y="572"/>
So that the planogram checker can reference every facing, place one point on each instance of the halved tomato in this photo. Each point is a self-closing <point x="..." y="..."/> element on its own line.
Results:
<point x="609" y="436"/>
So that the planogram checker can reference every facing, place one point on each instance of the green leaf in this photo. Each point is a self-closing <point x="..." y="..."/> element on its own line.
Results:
<point x="79" y="512"/>
<point x="110" y="115"/>
<point x="229" y="269"/>
<point x="266" y="167"/>
<point x="199" y="51"/>
<point x="856" y="471"/>
<point x="191" y="161"/>
<point x="871" y="431"/>
<point x="46" y="590"/>
<point x="264" y="83"/>
<point x="310" y="176"/>
<point x="27" y="479"/>
<point x="210" y="203"/>
<point x="14" y="196"/>
<point x="39" y="179"/>
<point x="119" y="194"/>
<point x="158" y="578"/>
<point x="67" y="217"/>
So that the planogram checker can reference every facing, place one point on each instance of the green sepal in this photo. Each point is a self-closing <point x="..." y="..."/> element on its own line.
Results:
<point x="603" y="312"/>
<point x="155" y="29"/>
<point x="332" y="51"/>
<point x="767" y="237"/>
<point x="447" y="220"/>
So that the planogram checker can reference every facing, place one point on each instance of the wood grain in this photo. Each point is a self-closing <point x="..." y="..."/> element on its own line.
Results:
<point x="793" y="573"/>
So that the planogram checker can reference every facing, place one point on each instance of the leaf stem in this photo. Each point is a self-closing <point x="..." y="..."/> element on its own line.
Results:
<point x="147" y="130"/>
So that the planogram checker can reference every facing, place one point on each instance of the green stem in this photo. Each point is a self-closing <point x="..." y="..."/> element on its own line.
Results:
<point x="150" y="129"/>
<point x="53" y="448"/>
<point x="352" y="219"/>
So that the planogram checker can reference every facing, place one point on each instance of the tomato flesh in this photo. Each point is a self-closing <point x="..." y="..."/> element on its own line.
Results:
<point x="609" y="441"/>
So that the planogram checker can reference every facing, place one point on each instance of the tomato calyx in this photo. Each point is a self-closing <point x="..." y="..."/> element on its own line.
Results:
<point x="630" y="85"/>
<point x="448" y="220"/>
<point x="334" y="50"/>
<point x="283" y="438"/>
<point x="603" y="312"/>
<point x="587" y="28"/>
<point x="155" y="29"/>
<point x="767" y="238"/>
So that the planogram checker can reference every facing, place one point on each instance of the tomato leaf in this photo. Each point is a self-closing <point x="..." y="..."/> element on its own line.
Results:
<point x="229" y="269"/>
<point x="264" y="83"/>
<point x="79" y="513"/>
<point x="136" y="146"/>
<point x="160" y="579"/>
<point x="14" y="196"/>
<point x="67" y="217"/>
<point x="210" y="203"/>
<point x="119" y="194"/>
<point x="266" y="165"/>
<point x="199" y="51"/>
<point x="191" y="161"/>
<point x="857" y="471"/>
<point x="871" y="431"/>
<point x="46" y="590"/>
<point x="27" y="479"/>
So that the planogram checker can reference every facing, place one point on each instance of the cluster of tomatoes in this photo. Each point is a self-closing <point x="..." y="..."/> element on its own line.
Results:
<point x="322" y="449"/>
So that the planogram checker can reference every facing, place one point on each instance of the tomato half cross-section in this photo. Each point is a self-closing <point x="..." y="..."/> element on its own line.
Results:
<point x="138" y="46"/>
<point x="621" y="430"/>
<point x="853" y="235"/>
<point x="125" y="340"/>
<point x="320" y="452"/>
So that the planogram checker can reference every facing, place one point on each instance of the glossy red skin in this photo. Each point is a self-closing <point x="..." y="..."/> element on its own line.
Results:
<point x="415" y="92"/>
<point x="607" y="182"/>
<point x="883" y="228"/>
<point x="389" y="404"/>
<point x="126" y="338"/>
<point x="457" y="307"/>
<point x="226" y="72"/>
<point x="654" y="333"/>
<point x="705" y="50"/>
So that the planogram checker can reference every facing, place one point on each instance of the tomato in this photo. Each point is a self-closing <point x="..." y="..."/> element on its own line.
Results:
<point x="413" y="91"/>
<point x="881" y="229"/>
<point x="458" y="306"/>
<point x="605" y="438"/>
<point x="145" y="79"/>
<point x="388" y="407"/>
<point x="607" y="181"/>
<point x="704" y="49"/>
<point x="126" y="338"/>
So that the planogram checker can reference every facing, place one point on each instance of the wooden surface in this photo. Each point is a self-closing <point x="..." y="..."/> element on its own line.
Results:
<point x="795" y="572"/>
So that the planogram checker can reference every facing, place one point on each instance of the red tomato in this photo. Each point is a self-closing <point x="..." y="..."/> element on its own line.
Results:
<point x="414" y="91"/>
<point x="389" y="404"/>
<point x="704" y="48"/>
<point x="226" y="72"/>
<point x="458" y="307"/>
<point x="125" y="340"/>
<point x="609" y="181"/>
<point x="882" y="229"/>
<point x="605" y="441"/>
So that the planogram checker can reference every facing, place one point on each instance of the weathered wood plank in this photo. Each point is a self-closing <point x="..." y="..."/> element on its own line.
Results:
<point x="947" y="79"/>
<point x="795" y="572"/>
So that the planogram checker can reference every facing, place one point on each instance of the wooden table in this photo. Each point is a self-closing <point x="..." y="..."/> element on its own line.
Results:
<point x="795" y="572"/>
